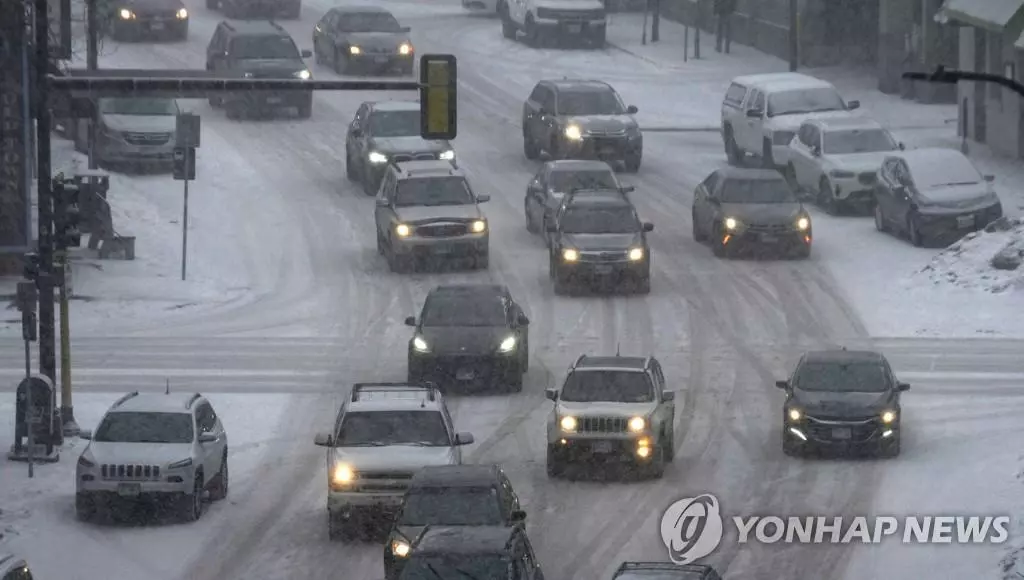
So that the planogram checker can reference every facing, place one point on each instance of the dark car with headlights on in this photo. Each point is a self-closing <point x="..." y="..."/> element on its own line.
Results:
<point x="384" y="133"/>
<point x="933" y="194"/>
<point x="750" y="209"/>
<point x="597" y="239"/>
<point x="258" y="49"/>
<point x="362" y="39"/>
<point x="665" y="571"/>
<point x="476" y="553"/>
<point x="581" y="119"/>
<point x="555" y="179"/>
<point x="457" y="495"/>
<point x="148" y="20"/>
<point x="468" y="334"/>
<point x="842" y="400"/>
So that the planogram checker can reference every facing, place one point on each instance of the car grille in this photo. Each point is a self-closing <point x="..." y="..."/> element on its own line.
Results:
<point x="618" y="133"/>
<point x="373" y="481"/>
<point x="379" y="50"/>
<point x="147" y="138"/>
<point x="570" y="14"/>
<point x="162" y="14"/>
<point x="399" y="158"/>
<point x="129" y="472"/>
<point x="769" y="228"/>
<point x="866" y="177"/>
<point x="268" y="75"/>
<point x="782" y="137"/>
<point x="616" y="256"/>
<point x="442" y="230"/>
<point x="862" y="428"/>
<point x="602" y="425"/>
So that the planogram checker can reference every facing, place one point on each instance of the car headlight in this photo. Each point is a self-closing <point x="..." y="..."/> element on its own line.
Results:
<point x="888" y="417"/>
<point x="180" y="464"/>
<point x="377" y="158"/>
<point x="405" y="48"/>
<point x="400" y="548"/>
<point x="403" y="231"/>
<point x="420" y="345"/>
<point x="573" y="132"/>
<point x="84" y="461"/>
<point x="803" y="223"/>
<point x="303" y="74"/>
<point x="354" y="50"/>
<point x="343" y="474"/>
<point x="637" y="424"/>
<point x="247" y="75"/>
<point x="508" y="345"/>
<point x="568" y="424"/>
<point x="448" y="155"/>
<point x="731" y="223"/>
<point x="182" y="14"/>
<point x="479" y="226"/>
<point x="126" y="14"/>
<point x="794" y="414"/>
<point x="570" y="255"/>
<point x="636" y="254"/>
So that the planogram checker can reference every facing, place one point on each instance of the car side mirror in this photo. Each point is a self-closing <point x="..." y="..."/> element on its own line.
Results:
<point x="483" y="198"/>
<point x="903" y="386"/>
<point x="551" y="394"/>
<point x="357" y="132"/>
<point x="853" y="105"/>
<point x="990" y="178"/>
<point x="902" y="146"/>
<point x="85" y="434"/>
<point x="382" y="202"/>
<point x="323" y="440"/>
<point x="207" y="437"/>
<point x="669" y="396"/>
<point x="632" y="110"/>
<point x="518" y="516"/>
<point x="410" y="321"/>
<point x="782" y="384"/>
<point x="405" y="29"/>
<point x="523" y="319"/>
<point x="755" y="113"/>
<point x="816" y="150"/>
<point x="627" y="189"/>
<point x="464" y="438"/>
<point x="306" y="53"/>
<point x="648" y="227"/>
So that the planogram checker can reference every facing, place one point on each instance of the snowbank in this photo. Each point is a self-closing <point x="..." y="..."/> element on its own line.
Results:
<point x="988" y="260"/>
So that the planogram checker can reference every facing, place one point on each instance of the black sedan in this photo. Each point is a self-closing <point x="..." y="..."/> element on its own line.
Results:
<point x="148" y="20"/>
<point x="470" y="335"/>
<point x="753" y="209"/>
<point x="933" y="194"/>
<point x="842" y="400"/>
<point x="361" y="40"/>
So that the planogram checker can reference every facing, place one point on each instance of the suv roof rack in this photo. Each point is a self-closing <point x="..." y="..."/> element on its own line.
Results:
<point x="192" y="400"/>
<point x="648" y="360"/>
<point x="394" y="387"/>
<point x="121" y="401"/>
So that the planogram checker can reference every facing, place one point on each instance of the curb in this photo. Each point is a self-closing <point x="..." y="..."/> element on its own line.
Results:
<point x="614" y="46"/>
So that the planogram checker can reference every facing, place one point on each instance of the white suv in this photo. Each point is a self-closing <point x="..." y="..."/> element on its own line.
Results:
<point x="381" y="438"/>
<point x="154" y="446"/>
<point x="541" y="20"/>
<point x="761" y="113"/>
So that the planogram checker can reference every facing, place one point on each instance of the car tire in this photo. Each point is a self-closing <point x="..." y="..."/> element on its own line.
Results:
<point x="368" y="189"/>
<point x="826" y="200"/>
<point x="555" y="463"/>
<point x="533" y="35"/>
<point x="530" y="149"/>
<point x="656" y="469"/>
<point x="803" y="252"/>
<point x="719" y="249"/>
<point x="553" y="149"/>
<point x="338" y="529"/>
<point x="530" y="225"/>
<point x="234" y="110"/>
<point x="789" y="448"/>
<point x="698" y="234"/>
<point x="85" y="507"/>
<point x="482" y="262"/>
<point x="767" y="157"/>
<point x="219" y="487"/>
<point x="914" y="231"/>
<point x="514" y="380"/>
<point x="305" y="109"/>
<point x="733" y="152"/>
<point x="350" y="168"/>
<point x="643" y="284"/>
<point x="526" y="354"/>
<point x="508" y="28"/>
<point x="380" y="244"/>
<point x="192" y="503"/>
<point x="669" y="445"/>
<point x="398" y="264"/>
<point x="880" y="224"/>
<point x="340" y="62"/>
<point x="600" y="37"/>
<point x="632" y="162"/>
<point x="561" y="284"/>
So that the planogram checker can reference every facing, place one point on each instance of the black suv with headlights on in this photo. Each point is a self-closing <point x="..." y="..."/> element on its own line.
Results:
<point x="387" y="132"/>
<point x="581" y="119"/>
<point x="752" y="209"/>
<point x="478" y="552"/>
<point x="147" y="19"/>
<point x="842" y="400"/>
<point x="598" y="238"/>
<point x="469" y="334"/>
<point x="258" y="49"/>
<point x="450" y="495"/>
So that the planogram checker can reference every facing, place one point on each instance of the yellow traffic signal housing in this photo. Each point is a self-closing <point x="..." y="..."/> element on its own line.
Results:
<point x="438" y="102"/>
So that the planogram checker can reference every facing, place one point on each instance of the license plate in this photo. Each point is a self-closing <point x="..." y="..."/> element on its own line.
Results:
<point x="574" y="28"/>
<point x="842" y="433"/>
<point x="129" y="490"/>
<point x="465" y="375"/>
<point x="603" y="269"/>
<point x="770" y="239"/>
<point x="965" y="221"/>
<point x="380" y="59"/>
<point x="156" y="25"/>
<point x="273" y="100"/>
<point x="602" y="447"/>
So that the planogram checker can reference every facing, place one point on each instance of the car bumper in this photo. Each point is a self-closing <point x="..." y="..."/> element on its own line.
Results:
<point x="604" y="271"/>
<point x="344" y="504"/>
<point x="133" y="489"/>
<point x="116" y="150"/>
<point x="570" y="27"/>
<point x="468" y="246"/>
<point x="775" y="240"/>
<point x="271" y="100"/>
<point x="151" y="27"/>
<point x="957" y="223"/>
<point x="466" y="370"/>
<point x="841" y="435"/>
<point x="382" y="61"/>
<point x="604" y="148"/>
<point x="375" y="171"/>
<point x="573" y="448"/>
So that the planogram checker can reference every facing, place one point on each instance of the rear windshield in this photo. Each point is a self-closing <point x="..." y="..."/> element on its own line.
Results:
<point x="757" y="191"/>
<point x="854" y="377"/>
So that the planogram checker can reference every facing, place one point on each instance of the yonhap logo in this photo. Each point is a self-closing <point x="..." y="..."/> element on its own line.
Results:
<point x="692" y="528"/>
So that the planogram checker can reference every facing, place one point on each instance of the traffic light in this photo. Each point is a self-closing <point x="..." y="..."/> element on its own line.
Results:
<point x="438" y="102"/>
<point x="66" y="213"/>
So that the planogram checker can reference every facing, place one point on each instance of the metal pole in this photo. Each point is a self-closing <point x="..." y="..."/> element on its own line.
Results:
<point x="686" y="44"/>
<point x="47" y="340"/>
<point x="92" y="58"/>
<point x="184" y="226"/>
<point x="67" y="410"/>
<point x="647" y="9"/>
<point x="656" y="21"/>
<point x="794" y="35"/>
<point x="28" y="411"/>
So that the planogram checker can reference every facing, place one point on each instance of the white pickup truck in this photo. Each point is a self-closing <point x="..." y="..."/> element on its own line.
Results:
<point x="543" y="20"/>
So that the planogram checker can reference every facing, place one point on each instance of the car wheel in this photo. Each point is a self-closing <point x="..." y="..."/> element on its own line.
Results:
<point x="192" y="503"/>
<point x="656" y="468"/>
<point x="380" y="243"/>
<point x="891" y="449"/>
<point x="305" y="109"/>
<point x="880" y="224"/>
<point x="632" y="162"/>
<point x="368" y="188"/>
<point x="790" y="175"/>
<point x="555" y="463"/>
<point x="482" y="262"/>
<point x="553" y="149"/>
<point x="732" y="150"/>
<point x="508" y="28"/>
<point x="339" y="529"/>
<point x="718" y="247"/>
<point x="350" y="168"/>
<point x="802" y="252"/>
<point x="525" y="348"/>
<point x="826" y="200"/>
<point x="599" y="39"/>
<point x="914" y="231"/>
<point x="643" y="284"/>
<point x="85" y="507"/>
<point x="533" y="35"/>
<point x="669" y="445"/>
<point x="234" y="110"/>
<point x="340" y="62"/>
<point x="561" y="284"/>
<point x="767" y="157"/>
<point x="514" y="380"/>
<point x="789" y="448"/>
<point x="698" y="234"/>
<point x="219" y="489"/>
<point x="397" y="263"/>
<point x="530" y="149"/>
<point x="531" y="226"/>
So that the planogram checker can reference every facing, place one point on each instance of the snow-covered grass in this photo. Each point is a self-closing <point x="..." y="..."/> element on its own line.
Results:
<point x="972" y="261"/>
<point x="38" y="514"/>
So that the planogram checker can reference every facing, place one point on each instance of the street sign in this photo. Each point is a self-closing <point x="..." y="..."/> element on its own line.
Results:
<point x="184" y="164"/>
<point x="186" y="131"/>
<point x="438" y="102"/>
<point x="15" y="217"/>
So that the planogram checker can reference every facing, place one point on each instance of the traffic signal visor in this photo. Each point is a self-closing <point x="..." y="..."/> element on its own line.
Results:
<point x="438" y="102"/>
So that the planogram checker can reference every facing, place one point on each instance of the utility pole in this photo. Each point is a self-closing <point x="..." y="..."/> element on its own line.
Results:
<point x="67" y="408"/>
<point x="656" y="21"/>
<point x="794" y="35"/>
<point x="47" y="338"/>
<point x="92" y="62"/>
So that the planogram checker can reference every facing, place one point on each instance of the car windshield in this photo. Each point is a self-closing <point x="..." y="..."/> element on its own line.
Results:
<point x="661" y="575"/>
<point x="853" y="377"/>
<point x="368" y="22"/>
<point x="138" y="106"/>
<point x="395" y="124"/>
<point x="457" y="567"/>
<point x="607" y="386"/>
<point x="583" y="103"/>
<point x="566" y="181"/>
<point x="131" y="427"/>
<point x="943" y="171"/>
<point x="757" y="191"/>
<point x="452" y="506"/>
<point x="801" y="101"/>
<point x="603" y="220"/>
<point x="433" y="191"/>
<point x="464" y="310"/>
<point x="380" y="428"/>
<point x="264" y="47"/>
<point x="858" y="141"/>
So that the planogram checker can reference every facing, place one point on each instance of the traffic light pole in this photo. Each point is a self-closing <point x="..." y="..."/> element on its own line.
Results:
<point x="67" y="407"/>
<point x="47" y="338"/>
<point x="92" y="58"/>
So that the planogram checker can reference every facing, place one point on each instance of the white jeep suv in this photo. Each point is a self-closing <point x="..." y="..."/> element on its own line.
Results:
<point x="543" y="20"/>
<point x="761" y="113"/>
<point x="153" y="446"/>
<point x="382" y="436"/>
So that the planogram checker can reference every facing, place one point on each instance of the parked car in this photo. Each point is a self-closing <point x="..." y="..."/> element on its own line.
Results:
<point x="135" y="131"/>
<point x="363" y="39"/>
<point x="933" y="194"/>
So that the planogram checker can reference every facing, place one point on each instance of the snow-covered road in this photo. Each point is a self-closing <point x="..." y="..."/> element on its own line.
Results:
<point x="724" y="331"/>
